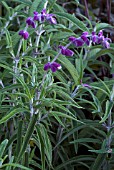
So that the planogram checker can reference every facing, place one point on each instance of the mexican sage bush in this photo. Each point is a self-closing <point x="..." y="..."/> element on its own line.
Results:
<point x="56" y="88"/>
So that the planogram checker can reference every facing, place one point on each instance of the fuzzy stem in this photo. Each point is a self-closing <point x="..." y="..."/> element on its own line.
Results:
<point x="19" y="48"/>
<point x="109" y="126"/>
<point x="108" y="10"/>
<point x="1" y="83"/>
<point x="86" y="9"/>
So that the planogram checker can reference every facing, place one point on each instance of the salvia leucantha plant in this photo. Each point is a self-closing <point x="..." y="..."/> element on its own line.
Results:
<point x="56" y="88"/>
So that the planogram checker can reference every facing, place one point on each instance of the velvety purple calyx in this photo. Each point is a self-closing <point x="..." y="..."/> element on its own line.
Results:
<point x="37" y="16"/>
<point x="24" y="34"/>
<point x="84" y="36"/>
<point x="30" y="22"/>
<point x="53" y="66"/>
<point x="47" y="66"/>
<point x="72" y="39"/>
<point x="66" y="51"/>
<point x="79" y="42"/>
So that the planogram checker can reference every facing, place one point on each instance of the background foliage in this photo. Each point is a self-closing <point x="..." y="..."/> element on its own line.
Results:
<point x="73" y="124"/>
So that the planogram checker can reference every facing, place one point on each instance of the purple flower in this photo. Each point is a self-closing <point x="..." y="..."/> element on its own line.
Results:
<point x="53" y="66"/>
<point x="100" y="33"/>
<point x="105" y="42"/>
<point x="100" y="37"/>
<point x="24" y="34"/>
<point x="43" y="14"/>
<point x="47" y="66"/>
<point x="30" y="22"/>
<point x="36" y="16"/>
<point x="84" y="37"/>
<point x="40" y="17"/>
<point x="72" y="39"/>
<point x="78" y="42"/>
<point x="94" y="37"/>
<point x="51" y="19"/>
<point x="66" y="51"/>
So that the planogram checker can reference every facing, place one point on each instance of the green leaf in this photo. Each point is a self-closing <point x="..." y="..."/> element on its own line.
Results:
<point x="11" y="114"/>
<point x="86" y="140"/>
<point x="99" y="161"/>
<point x="2" y="147"/>
<point x="19" y="137"/>
<point x="70" y="67"/>
<point x="79" y="24"/>
<point x="27" y="90"/>
<point x="109" y="106"/>
<point x="11" y="161"/>
<point x="74" y="160"/>
<point x="15" y="165"/>
<point x="42" y="147"/>
<point x="6" y="6"/>
<point x="101" y="26"/>
<point x="28" y="134"/>
<point x="98" y="151"/>
<point x="26" y="2"/>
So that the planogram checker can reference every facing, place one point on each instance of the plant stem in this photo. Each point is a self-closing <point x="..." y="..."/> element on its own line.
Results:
<point x="86" y="9"/>
<point x="108" y="10"/>
<point x="108" y="131"/>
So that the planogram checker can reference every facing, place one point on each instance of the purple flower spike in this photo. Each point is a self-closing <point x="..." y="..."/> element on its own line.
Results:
<point x="53" y="66"/>
<point x="30" y="22"/>
<point x="66" y="51"/>
<point x="24" y="34"/>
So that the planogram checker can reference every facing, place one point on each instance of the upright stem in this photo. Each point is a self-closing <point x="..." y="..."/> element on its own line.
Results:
<point x="86" y="9"/>
<point x="108" y="130"/>
<point x="108" y="10"/>
<point x="110" y="125"/>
